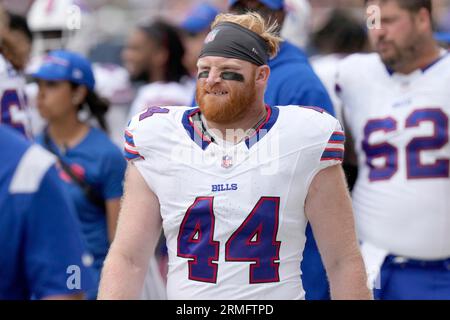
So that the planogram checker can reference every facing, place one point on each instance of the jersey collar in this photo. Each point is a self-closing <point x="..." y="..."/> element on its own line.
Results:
<point x="444" y="54"/>
<point x="203" y="141"/>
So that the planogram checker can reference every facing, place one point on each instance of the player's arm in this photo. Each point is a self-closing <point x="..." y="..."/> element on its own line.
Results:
<point x="328" y="208"/>
<point x="137" y="234"/>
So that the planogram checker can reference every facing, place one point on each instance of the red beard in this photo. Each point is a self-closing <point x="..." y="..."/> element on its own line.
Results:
<point x="229" y="108"/>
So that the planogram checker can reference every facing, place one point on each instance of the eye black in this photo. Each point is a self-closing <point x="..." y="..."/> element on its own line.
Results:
<point x="203" y="74"/>
<point x="234" y="76"/>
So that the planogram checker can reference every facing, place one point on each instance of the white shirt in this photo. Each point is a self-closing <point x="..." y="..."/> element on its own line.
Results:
<point x="226" y="208"/>
<point x="13" y="102"/>
<point x="326" y="69"/>
<point x="400" y="126"/>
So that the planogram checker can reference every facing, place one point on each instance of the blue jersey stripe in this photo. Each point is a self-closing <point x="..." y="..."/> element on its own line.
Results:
<point x="129" y="139"/>
<point x="131" y="156"/>
<point x="337" y="138"/>
<point x="338" y="155"/>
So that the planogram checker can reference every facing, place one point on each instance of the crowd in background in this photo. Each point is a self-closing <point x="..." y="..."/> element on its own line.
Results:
<point x="143" y="53"/>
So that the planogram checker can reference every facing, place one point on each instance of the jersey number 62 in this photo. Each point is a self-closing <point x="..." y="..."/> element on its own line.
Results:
<point x="415" y="169"/>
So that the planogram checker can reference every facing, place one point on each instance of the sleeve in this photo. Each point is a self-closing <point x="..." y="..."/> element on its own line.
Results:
<point x="130" y="150"/>
<point x="142" y="132"/>
<point x="333" y="153"/>
<point x="113" y="174"/>
<point x="56" y="262"/>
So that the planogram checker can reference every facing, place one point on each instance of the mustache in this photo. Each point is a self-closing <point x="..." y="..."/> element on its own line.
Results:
<point x="206" y="88"/>
<point x="220" y="110"/>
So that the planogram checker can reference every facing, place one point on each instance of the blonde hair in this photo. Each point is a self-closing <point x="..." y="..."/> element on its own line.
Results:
<point x="256" y="23"/>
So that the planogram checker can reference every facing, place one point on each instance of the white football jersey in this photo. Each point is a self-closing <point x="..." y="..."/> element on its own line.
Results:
<point x="325" y="66"/>
<point x="400" y="127"/>
<point x="233" y="216"/>
<point x="13" y="103"/>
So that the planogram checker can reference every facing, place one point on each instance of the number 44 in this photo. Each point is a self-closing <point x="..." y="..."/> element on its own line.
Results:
<point x="254" y="241"/>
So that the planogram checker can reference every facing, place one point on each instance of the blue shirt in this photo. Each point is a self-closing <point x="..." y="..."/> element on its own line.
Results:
<point x="97" y="161"/>
<point x="40" y="237"/>
<point x="293" y="81"/>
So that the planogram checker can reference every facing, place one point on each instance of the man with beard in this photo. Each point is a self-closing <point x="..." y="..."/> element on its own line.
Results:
<point x="397" y="108"/>
<point x="233" y="184"/>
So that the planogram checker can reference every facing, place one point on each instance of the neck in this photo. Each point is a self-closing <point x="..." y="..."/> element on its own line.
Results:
<point x="426" y="54"/>
<point x="235" y="131"/>
<point x="156" y="75"/>
<point x="67" y="132"/>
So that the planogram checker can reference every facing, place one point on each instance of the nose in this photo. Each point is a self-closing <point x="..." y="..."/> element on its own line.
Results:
<point x="213" y="78"/>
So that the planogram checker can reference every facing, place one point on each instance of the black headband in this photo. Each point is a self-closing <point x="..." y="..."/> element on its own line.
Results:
<point x="230" y="40"/>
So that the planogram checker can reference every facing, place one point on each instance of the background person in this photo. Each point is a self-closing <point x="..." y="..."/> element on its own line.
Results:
<point x="91" y="166"/>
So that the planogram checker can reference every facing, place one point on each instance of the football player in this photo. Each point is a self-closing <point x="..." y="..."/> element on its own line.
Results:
<point x="397" y="108"/>
<point x="233" y="184"/>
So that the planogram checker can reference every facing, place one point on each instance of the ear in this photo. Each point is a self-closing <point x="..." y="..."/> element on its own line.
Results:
<point x="79" y="95"/>
<point x="262" y="74"/>
<point x="424" y="20"/>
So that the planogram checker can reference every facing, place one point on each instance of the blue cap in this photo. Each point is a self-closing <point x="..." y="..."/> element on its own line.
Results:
<point x="60" y="65"/>
<point x="272" y="4"/>
<point x="200" y="18"/>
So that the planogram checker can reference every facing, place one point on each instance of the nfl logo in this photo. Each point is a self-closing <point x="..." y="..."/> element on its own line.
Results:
<point x="227" y="162"/>
<point x="211" y="36"/>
